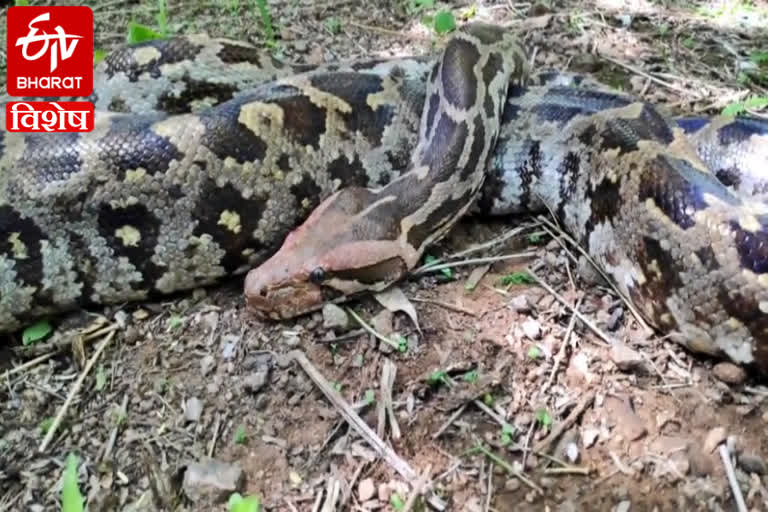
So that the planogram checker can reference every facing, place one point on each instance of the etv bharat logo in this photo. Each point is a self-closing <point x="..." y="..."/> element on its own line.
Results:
<point x="50" y="51"/>
<point x="32" y="37"/>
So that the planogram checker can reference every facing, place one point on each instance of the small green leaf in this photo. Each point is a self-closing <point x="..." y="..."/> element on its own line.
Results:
<point x="22" y="3"/>
<point x="98" y="55"/>
<point x="45" y="425"/>
<point x="543" y="417"/>
<point x="738" y="108"/>
<point x="759" y="57"/>
<point x="488" y="399"/>
<point x="334" y="25"/>
<point x="534" y="352"/>
<point x="438" y="377"/>
<point x="237" y="503"/>
<point x="429" y="260"/>
<point x="444" y="22"/>
<point x="138" y="33"/>
<point x="101" y="378"/>
<point x="470" y="376"/>
<point x="336" y="386"/>
<point x="370" y="397"/>
<point x="517" y="278"/>
<point x="507" y="434"/>
<point x="534" y="238"/>
<point x="36" y="332"/>
<point x="402" y="343"/>
<point x="174" y="322"/>
<point x="240" y="435"/>
<point x="470" y="13"/>
<point x="397" y="502"/>
<point x="71" y="499"/>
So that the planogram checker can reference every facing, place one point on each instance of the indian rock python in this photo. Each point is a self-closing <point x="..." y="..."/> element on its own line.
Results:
<point x="156" y="203"/>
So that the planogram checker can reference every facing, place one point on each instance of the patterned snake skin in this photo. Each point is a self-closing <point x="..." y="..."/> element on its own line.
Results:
<point x="217" y="152"/>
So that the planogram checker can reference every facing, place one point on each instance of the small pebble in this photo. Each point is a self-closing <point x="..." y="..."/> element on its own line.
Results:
<point x="520" y="304"/>
<point x="627" y="359"/>
<point x="193" y="409"/>
<point x="335" y="318"/>
<point x="366" y="489"/>
<point x="532" y="329"/>
<point x="752" y="463"/>
<point x="512" y="485"/>
<point x="623" y="506"/>
<point x="255" y="381"/>
<point x="729" y="373"/>
<point x="206" y="364"/>
<point x="211" y="480"/>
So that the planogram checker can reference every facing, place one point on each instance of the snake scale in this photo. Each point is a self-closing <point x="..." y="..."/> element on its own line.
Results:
<point x="207" y="153"/>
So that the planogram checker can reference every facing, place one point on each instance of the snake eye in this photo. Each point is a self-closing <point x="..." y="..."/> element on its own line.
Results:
<point x="317" y="276"/>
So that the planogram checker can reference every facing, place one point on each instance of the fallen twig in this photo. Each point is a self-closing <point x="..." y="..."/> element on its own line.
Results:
<point x="564" y="425"/>
<point x="418" y="488"/>
<point x="735" y="490"/>
<point x="73" y="392"/>
<point x="356" y="422"/>
<point x="565" y="303"/>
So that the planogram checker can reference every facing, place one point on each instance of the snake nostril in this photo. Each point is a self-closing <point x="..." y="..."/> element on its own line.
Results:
<point x="263" y="292"/>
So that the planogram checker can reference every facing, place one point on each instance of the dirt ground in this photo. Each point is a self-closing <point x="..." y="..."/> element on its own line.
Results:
<point x="503" y="398"/>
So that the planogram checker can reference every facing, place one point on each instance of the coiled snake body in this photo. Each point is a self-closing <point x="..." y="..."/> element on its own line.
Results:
<point x="158" y="199"/>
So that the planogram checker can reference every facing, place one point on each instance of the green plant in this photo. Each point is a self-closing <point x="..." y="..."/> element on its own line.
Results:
<point x="370" y="397"/>
<point x="266" y="20"/>
<point x="21" y="3"/>
<point x="517" y="278"/>
<point x="534" y="352"/>
<point x="430" y="260"/>
<point x="438" y="377"/>
<point x="240" y="435"/>
<point x="71" y="499"/>
<point x="544" y="418"/>
<point x="238" y="503"/>
<point x="470" y="376"/>
<point x="507" y="434"/>
<point x="444" y="22"/>
<point x="735" y="109"/>
<point x="36" y="332"/>
<point x="397" y="502"/>
<point x="45" y="425"/>
<point x="534" y="238"/>
<point x="138" y="33"/>
<point x="333" y="25"/>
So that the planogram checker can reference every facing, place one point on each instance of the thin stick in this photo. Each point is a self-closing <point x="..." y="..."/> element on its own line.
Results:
<point x="450" y="421"/>
<point x="29" y="364"/>
<point x="372" y="331"/>
<point x="568" y="470"/>
<point x="113" y="435"/>
<point x="565" y="303"/>
<point x="73" y="392"/>
<point x="356" y="422"/>
<point x="599" y="269"/>
<point x="509" y="468"/>
<point x="561" y="352"/>
<point x="659" y="81"/>
<point x="735" y="490"/>
<point x="445" y="305"/>
<point x="543" y="445"/>
<point x="474" y="261"/>
<point x="418" y="489"/>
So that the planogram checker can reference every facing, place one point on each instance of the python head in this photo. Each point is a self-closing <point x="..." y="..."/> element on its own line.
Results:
<point x="340" y="250"/>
